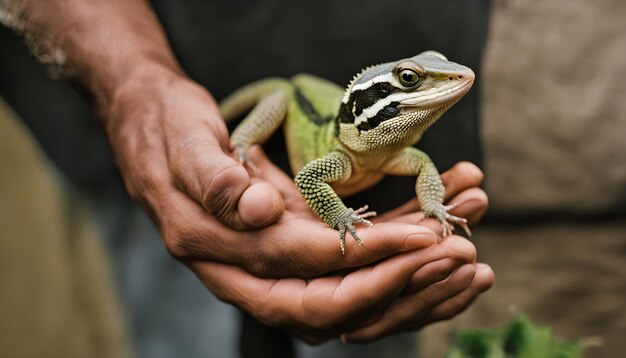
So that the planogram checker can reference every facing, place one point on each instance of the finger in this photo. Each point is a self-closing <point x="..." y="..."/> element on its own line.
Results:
<point x="295" y="247"/>
<point x="462" y="176"/>
<point x="233" y="285"/>
<point x="370" y="289"/>
<point x="407" y="309"/>
<point x="431" y="273"/>
<point x="440" y="262"/>
<point x="324" y="304"/>
<point x="203" y="169"/>
<point x="472" y="205"/>
<point x="308" y="248"/>
<point x="483" y="280"/>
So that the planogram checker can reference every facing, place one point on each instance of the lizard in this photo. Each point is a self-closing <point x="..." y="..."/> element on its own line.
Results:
<point x="340" y="141"/>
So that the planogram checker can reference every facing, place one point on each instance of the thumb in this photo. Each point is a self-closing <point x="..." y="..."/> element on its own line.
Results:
<point x="223" y="186"/>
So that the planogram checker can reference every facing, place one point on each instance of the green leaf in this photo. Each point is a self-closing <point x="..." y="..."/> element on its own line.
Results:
<point x="519" y="339"/>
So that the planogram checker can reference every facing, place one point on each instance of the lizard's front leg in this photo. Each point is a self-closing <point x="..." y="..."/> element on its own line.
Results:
<point x="313" y="181"/>
<point x="428" y="187"/>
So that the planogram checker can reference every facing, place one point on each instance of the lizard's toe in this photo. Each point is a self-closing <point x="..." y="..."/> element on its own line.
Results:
<point x="462" y="222"/>
<point x="448" y="220"/>
<point x="241" y="154"/>
<point x="347" y="221"/>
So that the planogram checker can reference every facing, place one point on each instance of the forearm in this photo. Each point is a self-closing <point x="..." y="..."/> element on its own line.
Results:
<point x="100" y="44"/>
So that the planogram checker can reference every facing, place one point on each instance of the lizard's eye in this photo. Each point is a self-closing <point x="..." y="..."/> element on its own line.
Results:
<point x="408" y="77"/>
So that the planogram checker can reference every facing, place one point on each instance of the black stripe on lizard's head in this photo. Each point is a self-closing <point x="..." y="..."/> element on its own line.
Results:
<point x="366" y="98"/>
<point x="367" y="93"/>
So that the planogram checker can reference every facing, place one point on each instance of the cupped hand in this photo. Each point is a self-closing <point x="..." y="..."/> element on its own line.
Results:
<point x="403" y="292"/>
<point x="173" y="151"/>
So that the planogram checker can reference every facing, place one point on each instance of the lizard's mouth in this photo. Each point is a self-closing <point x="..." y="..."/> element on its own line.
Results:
<point x="439" y="96"/>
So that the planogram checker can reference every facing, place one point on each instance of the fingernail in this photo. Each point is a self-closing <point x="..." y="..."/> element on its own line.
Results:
<point x="420" y="240"/>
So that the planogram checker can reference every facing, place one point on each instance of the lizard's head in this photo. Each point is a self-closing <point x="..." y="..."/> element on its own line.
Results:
<point x="391" y="104"/>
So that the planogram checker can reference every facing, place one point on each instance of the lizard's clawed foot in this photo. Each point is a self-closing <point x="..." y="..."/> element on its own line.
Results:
<point x="448" y="220"/>
<point x="347" y="221"/>
<point x="241" y="154"/>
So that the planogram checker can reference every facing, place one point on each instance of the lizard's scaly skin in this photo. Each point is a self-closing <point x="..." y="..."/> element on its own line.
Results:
<point x="313" y="181"/>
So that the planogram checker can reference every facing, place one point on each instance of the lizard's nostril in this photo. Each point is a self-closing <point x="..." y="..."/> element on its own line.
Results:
<point x="460" y="77"/>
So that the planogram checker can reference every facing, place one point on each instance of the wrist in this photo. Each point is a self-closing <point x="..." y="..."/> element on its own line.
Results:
<point x="138" y="84"/>
<point x="154" y="92"/>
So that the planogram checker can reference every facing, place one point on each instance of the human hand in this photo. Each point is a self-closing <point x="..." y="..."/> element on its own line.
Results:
<point x="404" y="292"/>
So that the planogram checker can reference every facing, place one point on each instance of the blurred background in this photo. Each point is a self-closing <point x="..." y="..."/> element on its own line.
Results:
<point x="553" y="136"/>
<point x="554" y="141"/>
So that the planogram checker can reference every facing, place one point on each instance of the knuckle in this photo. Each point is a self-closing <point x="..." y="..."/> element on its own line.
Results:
<point x="176" y="246"/>
<point x="470" y="171"/>
<point x="140" y="184"/>
<point x="183" y="241"/>
<point x="218" y="192"/>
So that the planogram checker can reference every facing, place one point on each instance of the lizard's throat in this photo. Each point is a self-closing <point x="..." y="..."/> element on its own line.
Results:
<point x="393" y="134"/>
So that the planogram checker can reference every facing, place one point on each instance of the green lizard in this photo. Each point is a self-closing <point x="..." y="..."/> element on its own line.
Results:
<point x="340" y="142"/>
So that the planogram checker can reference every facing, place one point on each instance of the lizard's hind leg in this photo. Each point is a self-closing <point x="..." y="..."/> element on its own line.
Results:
<point x="259" y="125"/>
